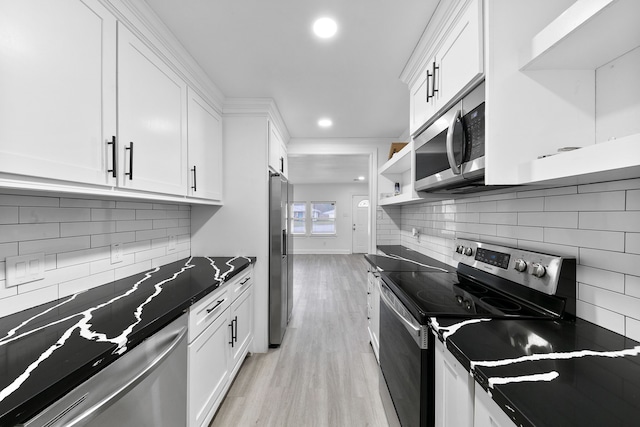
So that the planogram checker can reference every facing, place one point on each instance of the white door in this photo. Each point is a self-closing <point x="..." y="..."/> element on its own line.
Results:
<point x="57" y="90"/>
<point x="360" y="229"/>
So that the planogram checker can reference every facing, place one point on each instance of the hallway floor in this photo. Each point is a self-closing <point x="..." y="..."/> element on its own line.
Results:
<point x="325" y="372"/>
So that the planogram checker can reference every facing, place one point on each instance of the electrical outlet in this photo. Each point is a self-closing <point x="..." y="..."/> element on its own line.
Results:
<point x="117" y="253"/>
<point x="173" y="242"/>
<point x="24" y="269"/>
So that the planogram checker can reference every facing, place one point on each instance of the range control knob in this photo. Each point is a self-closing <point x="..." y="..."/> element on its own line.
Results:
<point x="538" y="270"/>
<point x="459" y="249"/>
<point x="468" y="251"/>
<point x="520" y="265"/>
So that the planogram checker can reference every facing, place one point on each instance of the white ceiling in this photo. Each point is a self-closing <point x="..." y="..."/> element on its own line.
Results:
<point x="328" y="169"/>
<point x="265" y="48"/>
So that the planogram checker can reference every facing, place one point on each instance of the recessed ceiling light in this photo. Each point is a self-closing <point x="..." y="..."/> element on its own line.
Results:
<point x="325" y="28"/>
<point x="325" y="123"/>
<point x="361" y="178"/>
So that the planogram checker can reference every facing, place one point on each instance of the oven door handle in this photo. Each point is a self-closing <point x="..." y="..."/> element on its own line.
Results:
<point x="415" y="331"/>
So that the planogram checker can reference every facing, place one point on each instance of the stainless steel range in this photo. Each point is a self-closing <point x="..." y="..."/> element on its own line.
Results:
<point x="491" y="281"/>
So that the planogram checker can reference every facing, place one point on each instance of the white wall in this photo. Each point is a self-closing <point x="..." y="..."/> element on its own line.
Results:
<point x="341" y="194"/>
<point x="598" y="224"/>
<point x="76" y="234"/>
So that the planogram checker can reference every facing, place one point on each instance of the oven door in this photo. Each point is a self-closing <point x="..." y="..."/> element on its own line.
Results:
<point x="407" y="367"/>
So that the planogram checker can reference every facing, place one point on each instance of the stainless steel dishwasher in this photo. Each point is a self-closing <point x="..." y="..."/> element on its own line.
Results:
<point x="145" y="387"/>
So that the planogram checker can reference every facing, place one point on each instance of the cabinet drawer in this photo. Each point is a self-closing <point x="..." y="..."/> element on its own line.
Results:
<point x="240" y="283"/>
<point x="207" y="310"/>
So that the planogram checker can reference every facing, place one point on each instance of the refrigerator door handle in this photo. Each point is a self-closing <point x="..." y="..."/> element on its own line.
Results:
<point x="284" y="242"/>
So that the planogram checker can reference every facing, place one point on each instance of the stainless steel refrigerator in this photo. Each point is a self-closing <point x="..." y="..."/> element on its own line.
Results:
<point x="280" y="259"/>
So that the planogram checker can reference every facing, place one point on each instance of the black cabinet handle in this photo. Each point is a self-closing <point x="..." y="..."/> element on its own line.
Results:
<point x="113" y="156"/>
<point x="209" y="310"/>
<point x="245" y="281"/>
<point x="282" y="164"/>
<point x="235" y="329"/>
<point x="231" y="326"/>
<point x="194" y="178"/>
<point x="428" y="96"/>
<point x="433" y="85"/>
<point x="130" y="173"/>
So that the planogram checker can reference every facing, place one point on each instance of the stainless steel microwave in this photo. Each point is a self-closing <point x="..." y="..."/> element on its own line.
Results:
<point x="449" y="154"/>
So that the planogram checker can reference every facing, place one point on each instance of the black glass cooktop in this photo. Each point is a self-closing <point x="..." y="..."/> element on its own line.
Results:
<point x="430" y="294"/>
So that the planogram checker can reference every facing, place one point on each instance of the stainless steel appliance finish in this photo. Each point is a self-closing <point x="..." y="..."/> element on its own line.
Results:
<point x="449" y="154"/>
<point x="145" y="387"/>
<point x="280" y="260"/>
<point x="491" y="281"/>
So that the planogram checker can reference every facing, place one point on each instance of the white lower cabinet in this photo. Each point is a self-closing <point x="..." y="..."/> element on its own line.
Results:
<point x="373" y="311"/>
<point x="487" y="413"/>
<point x="220" y="333"/>
<point x="454" y="390"/>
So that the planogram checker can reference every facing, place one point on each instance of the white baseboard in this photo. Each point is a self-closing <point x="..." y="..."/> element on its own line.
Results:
<point x="322" y="252"/>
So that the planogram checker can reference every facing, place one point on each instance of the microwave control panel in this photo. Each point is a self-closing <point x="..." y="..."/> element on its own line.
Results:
<point x="474" y="135"/>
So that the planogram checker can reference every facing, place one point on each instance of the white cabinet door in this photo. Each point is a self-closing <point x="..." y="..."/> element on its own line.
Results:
<point x="487" y="413"/>
<point x="460" y="60"/>
<point x="454" y="390"/>
<point x="242" y="320"/>
<point x="422" y="101"/>
<point x="205" y="149"/>
<point x="208" y="370"/>
<point x="58" y="89"/>
<point x="151" y="120"/>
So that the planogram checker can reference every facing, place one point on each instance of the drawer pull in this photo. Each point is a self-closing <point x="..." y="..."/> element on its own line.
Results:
<point x="245" y="281"/>
<point x="209" y="310"/>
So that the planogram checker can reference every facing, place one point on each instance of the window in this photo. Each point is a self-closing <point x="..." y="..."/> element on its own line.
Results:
<point x="323" y="217"/>
<point x="298" y="218"/>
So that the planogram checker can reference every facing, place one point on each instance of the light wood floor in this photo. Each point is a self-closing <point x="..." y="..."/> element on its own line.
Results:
<point x="325" y="372"/>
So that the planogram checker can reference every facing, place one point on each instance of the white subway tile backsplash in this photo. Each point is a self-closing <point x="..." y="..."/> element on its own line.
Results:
<point x="614" y="261"/>
<point x="27" y="300"/>
<point x="8" y="215"/>
<point x="35" y="215"/>
<point x="613" y="301"/>
<point x="533" y="204"/>
<point x="69" y="229"/>
<point x="505" y="218"/>
<point x="632" y="328"/>
<point x="632" y="285"/>
<point x="607" y="240"/>
<point x="76" y="235"/>
<point x="605" y="279"/>
<point x="86" y="203"/>
<point x="520" y="232"/>
<point x="549" y="219"/>
<point x="547" y="192"/>
<point x="614" y="221"/>
<point x="633" y="200"/>
<point x="112" y="214"/>
<point x="601" y="316"/>
<point x="23" y="232"/>
<point x="489" y="206"/>
<point x="625" y="184"/>
<point x="19" y="200"/>
<point x="52" y="246"/>
<point x="606" y="201"/>
<point x="632" y="243"/>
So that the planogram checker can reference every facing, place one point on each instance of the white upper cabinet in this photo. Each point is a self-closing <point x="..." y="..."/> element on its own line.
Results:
<point x="205" y="149"/>
<point x="453" y="63"/>
<point x="277" y="151"/>
<point x="152" y="119"/>
<point x="58" y="90"/>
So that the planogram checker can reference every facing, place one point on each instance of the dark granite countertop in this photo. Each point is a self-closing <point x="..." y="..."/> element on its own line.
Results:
<point x="48" y="350"/>
<point x="545" y="372"/>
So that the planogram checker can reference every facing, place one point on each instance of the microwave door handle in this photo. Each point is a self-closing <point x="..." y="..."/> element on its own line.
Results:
<point x="455" y="168"/>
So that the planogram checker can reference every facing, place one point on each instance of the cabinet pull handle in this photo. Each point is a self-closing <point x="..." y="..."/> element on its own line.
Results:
<point x="234" y="335"/>
<point x="209" y="310"/>
<point x="130" y="173"/>
<point x="428" y="96"/>
<point x="194" y="178"/>
<point x="433" y="85"/>
<point x="282" y="164"/>
<point x="231" y="326"/>
<point x="113" y="156"/>
<point x="244" y="281"/>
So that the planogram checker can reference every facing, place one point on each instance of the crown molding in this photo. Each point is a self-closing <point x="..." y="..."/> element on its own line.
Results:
<point x="146" y="25"/>
<point x="256" y="107"/>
